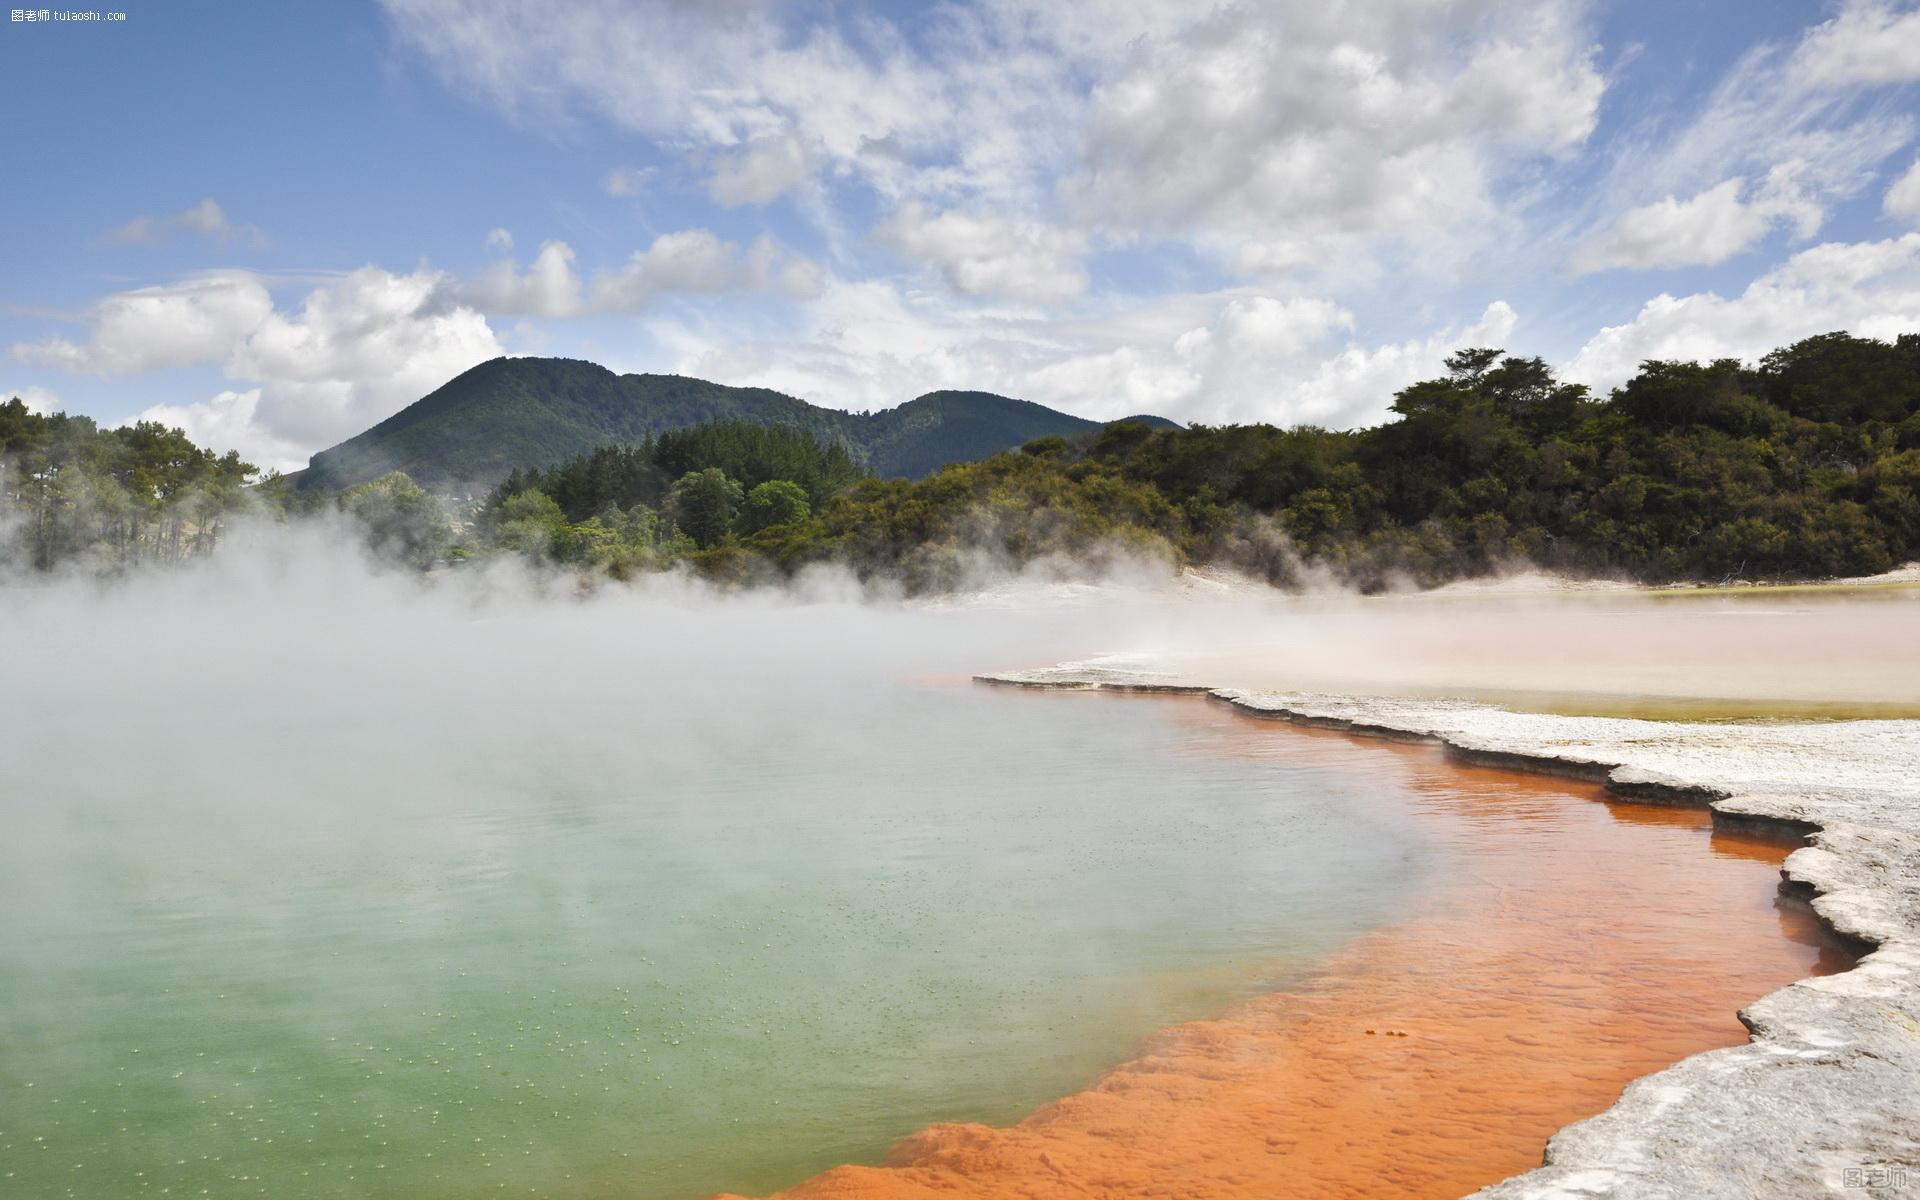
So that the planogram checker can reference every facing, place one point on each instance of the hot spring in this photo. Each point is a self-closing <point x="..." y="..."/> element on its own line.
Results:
<point x="319" y="884"/>
<point x="366" y="892"/>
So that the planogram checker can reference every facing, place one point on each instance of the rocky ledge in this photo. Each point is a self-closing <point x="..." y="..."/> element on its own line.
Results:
<point x="1824" y="1099"/>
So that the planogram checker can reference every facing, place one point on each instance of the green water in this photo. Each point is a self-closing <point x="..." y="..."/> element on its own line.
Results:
<point x="565" y="904"/>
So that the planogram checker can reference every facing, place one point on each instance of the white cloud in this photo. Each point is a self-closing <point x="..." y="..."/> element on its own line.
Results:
<point x="1239" y="364"/>
<point x="195" y="321"/>
<point x="716" y="77"/>
<point x="1214" y="357"/>
<point x="359" y="347"/>
<point x="548" y="288"/>
<point x="37" y="399"/>
<point x="1002" y="144"/>
<point x="989" y="255"/>
<point x="759" y="172"/>
<point x="686" y="262"/>
<point x="207" y="219"/>
<point x="1770" y="111"/>
<point x="1284" y="133"/>
<point x="1902" y="201"/>
<point x="1268" y="135"/>
<point x="1867" y="43"/>
<point x="1869" y="288"/>
<point x="698" y="262"/>
<point x="1704" y="229"/>
<point x="227" y="422"/>
<point x="1356" y="386"/>
<point x="362" y="345"/>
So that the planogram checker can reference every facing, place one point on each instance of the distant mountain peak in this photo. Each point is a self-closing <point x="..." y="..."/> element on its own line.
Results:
<point x="507" y="412"/>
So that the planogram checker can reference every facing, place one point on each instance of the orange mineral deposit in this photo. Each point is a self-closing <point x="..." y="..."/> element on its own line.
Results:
<point x="1574" y="945"/>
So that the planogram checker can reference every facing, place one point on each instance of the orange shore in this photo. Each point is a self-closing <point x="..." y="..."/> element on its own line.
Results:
<point x="1573" y="945"/>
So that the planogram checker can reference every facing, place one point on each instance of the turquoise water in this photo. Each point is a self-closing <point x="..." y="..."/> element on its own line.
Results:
<point x="604" y="900"/>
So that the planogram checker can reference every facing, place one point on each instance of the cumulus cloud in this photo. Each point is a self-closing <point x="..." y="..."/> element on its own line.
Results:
<point x="1902" y="201"/>
<point x="228" y="422"/>
<point x="359" y="347"/>
<point x="205" y="219"/>
<point x="759" y="172"/>
<point x="981" y="255"/>
<point x="1286" y="131"/>
<point x="1711" y="227"/>
<point x="1237" y="360"/>
<point x="547" y="288"/>
<point x="197" y="320"/>
<point x="362" y="345"/>
<point x="1869" y="288"/>
<point x="698" y="262"/>
<point x="1356" y="386"/>
<point x="687" y="262"/>
<point x="1214" y="357"/>
<point x="1267" y="134"/>
<point x="499" y="239"/>
<point x="1866" y="44"/>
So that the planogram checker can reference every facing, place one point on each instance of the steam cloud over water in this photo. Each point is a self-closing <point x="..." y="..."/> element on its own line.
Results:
<point x="431" y="886"/>
<point x="435" y="884"/>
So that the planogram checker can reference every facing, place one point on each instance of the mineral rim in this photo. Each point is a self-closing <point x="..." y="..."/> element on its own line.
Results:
<point x="1824" y="1098"/>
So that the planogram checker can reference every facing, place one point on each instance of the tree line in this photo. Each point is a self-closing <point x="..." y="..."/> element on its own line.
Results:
<point x="1806" y="464"/>
<point x="670" y="498"/>
<point x="137" y="493"/>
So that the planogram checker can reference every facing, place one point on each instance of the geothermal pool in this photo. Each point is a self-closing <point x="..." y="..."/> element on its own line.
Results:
<point x="1561" y="947"/>
<point x="543" y="903"/>
<point x="320" y="886"/>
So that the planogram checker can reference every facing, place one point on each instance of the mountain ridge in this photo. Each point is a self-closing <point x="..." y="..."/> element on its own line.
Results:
<point x="470" y="432"/>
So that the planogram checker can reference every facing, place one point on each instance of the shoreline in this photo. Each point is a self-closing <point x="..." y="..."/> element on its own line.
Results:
<point x="1525" y="1016"/>
<point x="1824" y="1098"/>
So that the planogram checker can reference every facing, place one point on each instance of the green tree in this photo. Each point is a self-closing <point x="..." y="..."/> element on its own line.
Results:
<point x="776" y="502"/>
<point x="704" y="504"/>
<point x="528" y="522"/>
<point x="112" y="496"/>
<point x="1808" y="464"/>
<point x="400" y="523"/>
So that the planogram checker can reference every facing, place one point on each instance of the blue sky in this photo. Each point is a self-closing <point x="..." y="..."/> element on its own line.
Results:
<point x="277" y="224"/>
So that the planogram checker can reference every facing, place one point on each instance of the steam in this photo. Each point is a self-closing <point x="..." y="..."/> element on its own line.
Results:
<point x="294" y="809"/>
<point x="282" y="604"/>
<point x="280" y="812"/>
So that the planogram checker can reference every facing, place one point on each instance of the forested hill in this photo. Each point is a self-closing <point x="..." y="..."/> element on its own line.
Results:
<point x="534" y="412"/>
<point x="1806" y="464"/>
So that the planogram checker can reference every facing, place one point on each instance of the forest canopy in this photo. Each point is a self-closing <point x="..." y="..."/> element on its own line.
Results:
<point x="1806" y="464"/>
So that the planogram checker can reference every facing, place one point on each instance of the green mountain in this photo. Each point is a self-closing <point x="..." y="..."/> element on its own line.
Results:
<point x="534" y="412"/>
